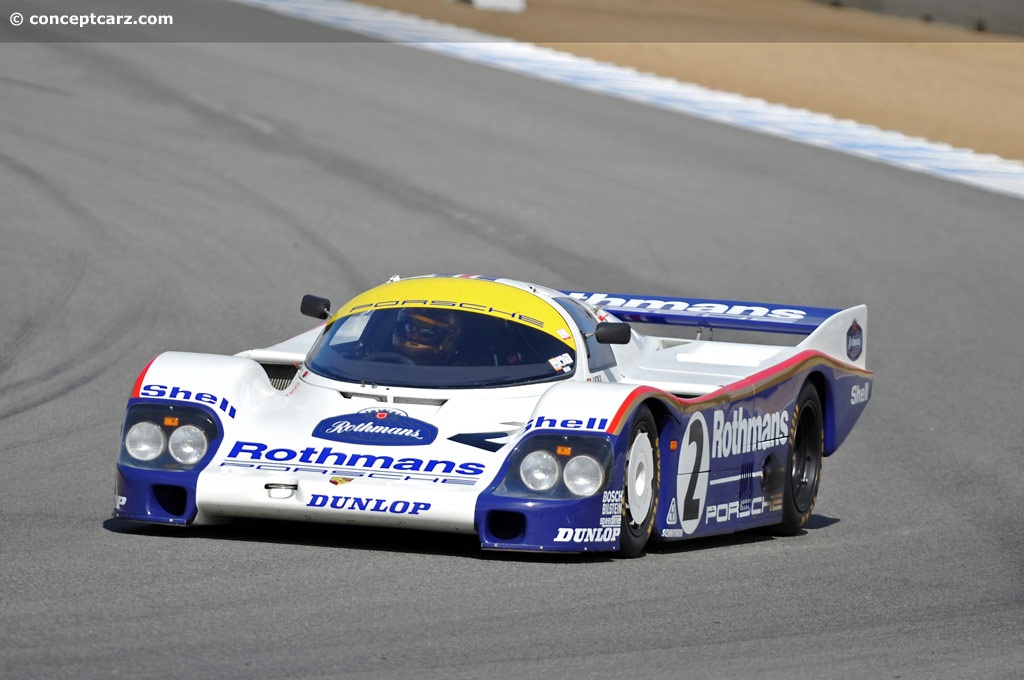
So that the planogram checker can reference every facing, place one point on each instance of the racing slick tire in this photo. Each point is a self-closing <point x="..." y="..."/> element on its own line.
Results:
<point x="803" y="467"/>
<point x="641" y="481"/>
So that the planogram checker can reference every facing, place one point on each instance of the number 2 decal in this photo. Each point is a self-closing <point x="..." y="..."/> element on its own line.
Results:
<point x="692" y="474"/>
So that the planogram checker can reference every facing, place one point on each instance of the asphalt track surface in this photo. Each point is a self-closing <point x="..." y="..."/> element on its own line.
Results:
<point x="161" y="197"/>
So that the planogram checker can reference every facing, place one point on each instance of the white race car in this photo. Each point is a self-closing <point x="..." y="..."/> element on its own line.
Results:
<point x="537" y="419"/>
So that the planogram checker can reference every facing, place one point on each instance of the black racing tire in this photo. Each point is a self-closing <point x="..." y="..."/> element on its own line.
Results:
<point x="641" y="480"/>
<point x="803" y="467"/>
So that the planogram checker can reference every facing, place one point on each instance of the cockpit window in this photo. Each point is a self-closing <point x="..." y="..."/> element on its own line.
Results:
<point x="437" y="347"/>
<point x="599" y="357"/>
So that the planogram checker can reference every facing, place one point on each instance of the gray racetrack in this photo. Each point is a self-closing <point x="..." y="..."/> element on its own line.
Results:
<point x="160" y="197"/>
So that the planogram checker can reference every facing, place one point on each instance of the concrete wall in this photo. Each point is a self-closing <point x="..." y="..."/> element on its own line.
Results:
<point x="994" y="16"/>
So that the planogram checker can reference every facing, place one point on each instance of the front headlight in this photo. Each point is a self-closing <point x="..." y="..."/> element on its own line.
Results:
<point x="144" y="441"/>
<point x="539" y="471"/>
<point x="583" y="476"/>
<point x="168" y="437"/>
<point x="187" y="444"/>
<point x="557" y="466"/>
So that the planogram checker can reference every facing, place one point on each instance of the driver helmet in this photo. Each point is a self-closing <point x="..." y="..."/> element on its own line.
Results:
<point x="427" y="336"/>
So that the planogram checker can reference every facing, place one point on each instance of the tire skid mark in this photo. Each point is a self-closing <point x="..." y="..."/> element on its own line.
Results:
<point x="347" y="277"/>
<point x="277" y="138"/>
<point x="17" y="82"/>
<point x="75" y="371"/>
<point x="30" y="327"/>
<point x="71" y="276"/>
<point x="495" y="232"/>
<point x="57" y="195"/>
<point x="249" y="129"/>
<point x="212" y="117"/>
<point x="57" y="301"/>
<point x="49" y="395"/>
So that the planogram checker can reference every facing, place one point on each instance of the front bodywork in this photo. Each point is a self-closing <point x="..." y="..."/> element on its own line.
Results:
<point x="313" y="448"/>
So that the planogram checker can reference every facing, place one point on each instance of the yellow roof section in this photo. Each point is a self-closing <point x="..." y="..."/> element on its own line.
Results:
<point x="480" y="296"/>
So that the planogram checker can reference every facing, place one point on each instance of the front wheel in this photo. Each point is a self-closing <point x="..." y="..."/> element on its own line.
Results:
<point x="641" y="480"/>
<point x="803" y="468"/>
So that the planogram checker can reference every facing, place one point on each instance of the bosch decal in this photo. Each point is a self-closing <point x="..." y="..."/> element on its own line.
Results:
<point x="611" y="503"/>
<point x="188" y="395"/>
<point x="611" y="509"/>
<point x="367" y="504"/>
<point x="377" y="427"/>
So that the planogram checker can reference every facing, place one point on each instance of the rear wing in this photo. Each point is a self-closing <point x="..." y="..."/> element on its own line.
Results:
<point x="730" y="314"/>
<point x="840" y="333"/>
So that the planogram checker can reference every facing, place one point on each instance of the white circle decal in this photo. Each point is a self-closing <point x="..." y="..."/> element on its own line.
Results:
<point x="692" y="475"/>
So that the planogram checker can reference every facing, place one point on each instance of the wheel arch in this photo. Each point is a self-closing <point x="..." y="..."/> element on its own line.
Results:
<point x="824" y="387"/>
<point x="662" y="412"/>
<point x="667" y="420"/>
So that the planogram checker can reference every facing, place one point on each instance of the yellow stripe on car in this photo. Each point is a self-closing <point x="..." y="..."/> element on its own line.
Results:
<point x="480" y="296"/>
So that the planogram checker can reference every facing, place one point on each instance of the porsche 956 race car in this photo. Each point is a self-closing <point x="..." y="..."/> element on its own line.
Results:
<point x="537" y="419"/>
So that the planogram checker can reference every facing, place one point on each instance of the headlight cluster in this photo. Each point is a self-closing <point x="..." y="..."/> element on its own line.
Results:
<point x="145" y="441"/>
<point x="539" y="470"/>
<point x="182" y="434"/>
<point x="582" y="475"/>
<point x="559" y="467"/>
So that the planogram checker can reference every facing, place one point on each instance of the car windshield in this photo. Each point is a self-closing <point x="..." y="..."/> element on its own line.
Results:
<point x="433" y="347"/>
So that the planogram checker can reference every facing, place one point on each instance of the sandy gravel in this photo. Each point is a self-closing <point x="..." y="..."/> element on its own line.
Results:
<point x="935" y="81"/>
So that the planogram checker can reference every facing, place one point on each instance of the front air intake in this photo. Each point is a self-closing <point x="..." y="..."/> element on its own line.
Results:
<point x="505" y="525"/>
<point x="171" y="499"/>
<point x="280" y="374"/>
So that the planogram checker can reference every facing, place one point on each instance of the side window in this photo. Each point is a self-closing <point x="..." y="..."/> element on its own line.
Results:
<point x="599" y="357"/>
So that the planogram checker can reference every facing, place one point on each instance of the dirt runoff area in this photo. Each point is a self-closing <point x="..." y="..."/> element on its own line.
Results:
<point x="939" y="82"/>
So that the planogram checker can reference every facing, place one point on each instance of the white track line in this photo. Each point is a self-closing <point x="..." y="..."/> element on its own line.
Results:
<point x="985" y="171"/>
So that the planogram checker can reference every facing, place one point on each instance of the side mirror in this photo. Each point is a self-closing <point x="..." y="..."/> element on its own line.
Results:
<point x="613" y="333"/>
<point x="315" y="306"/>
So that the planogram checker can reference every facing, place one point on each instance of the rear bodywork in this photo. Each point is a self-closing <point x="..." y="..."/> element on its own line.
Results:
<point x="288" y="443"/>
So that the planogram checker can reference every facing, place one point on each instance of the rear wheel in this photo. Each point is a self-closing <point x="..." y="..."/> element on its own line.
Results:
<point x="641" y="480"/>
<point x="803" y="468"/>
